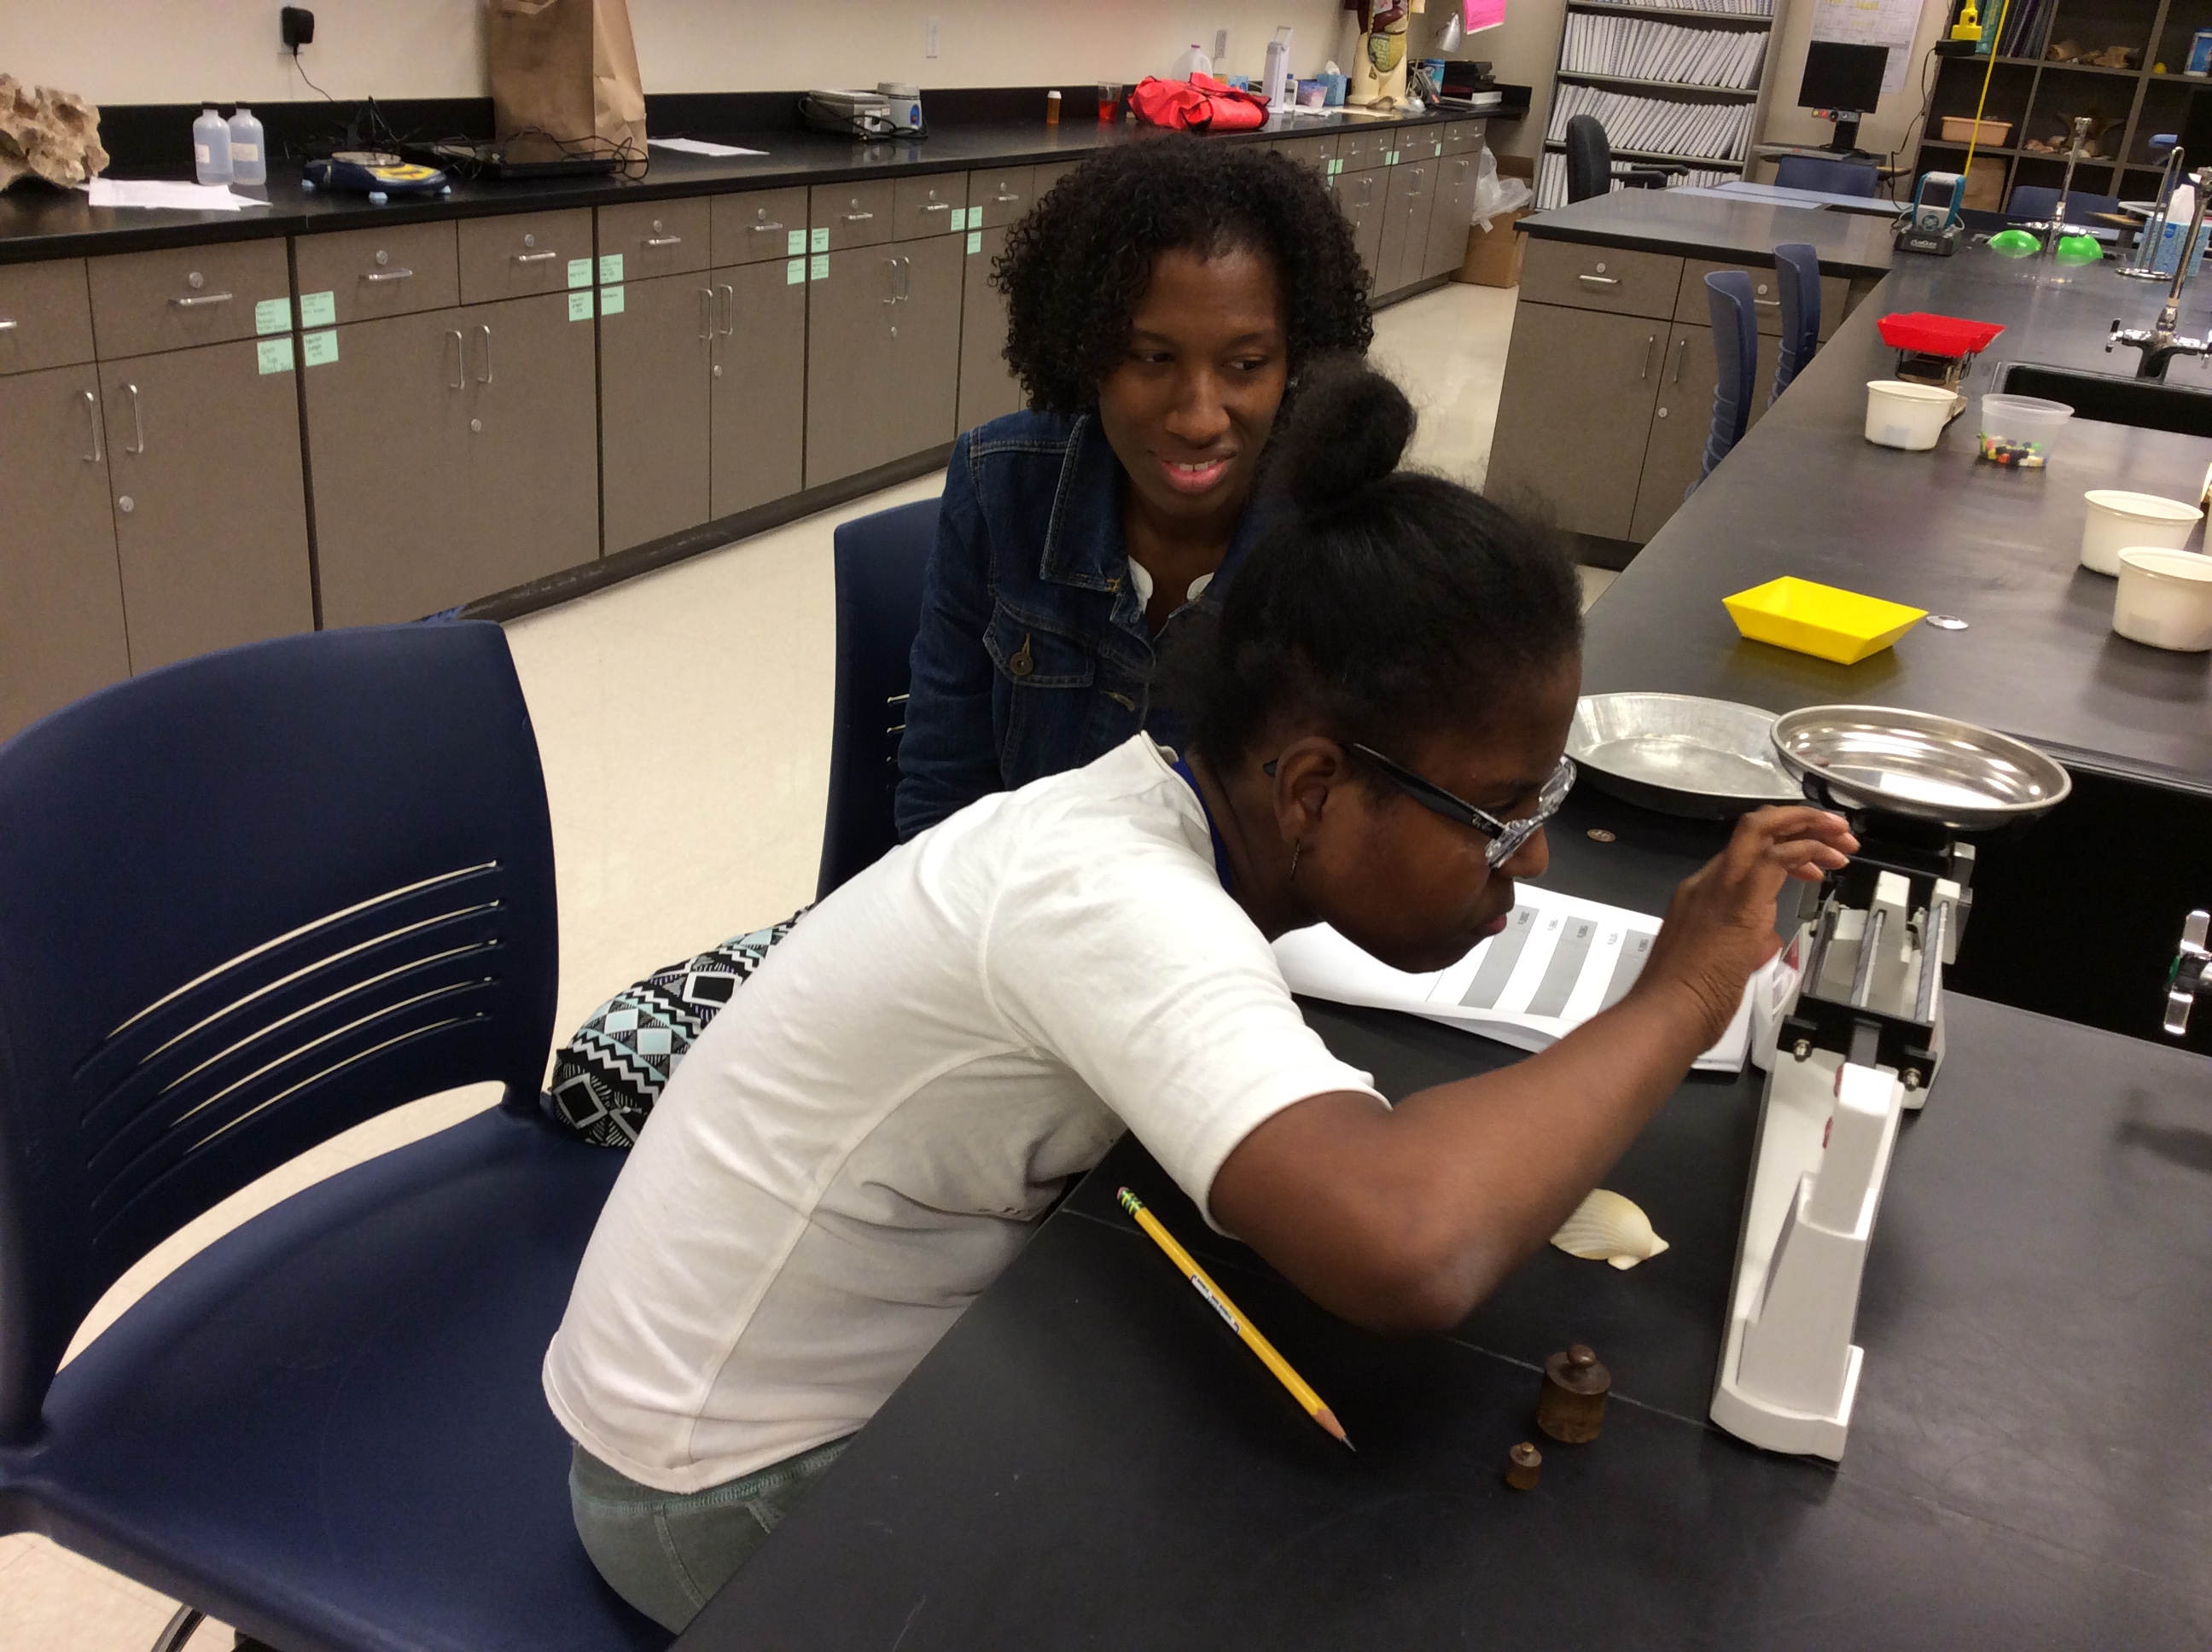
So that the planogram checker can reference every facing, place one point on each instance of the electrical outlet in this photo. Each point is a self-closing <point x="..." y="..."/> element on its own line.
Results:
<point x="1220" y="50"/>
<point x="930" y="38"/>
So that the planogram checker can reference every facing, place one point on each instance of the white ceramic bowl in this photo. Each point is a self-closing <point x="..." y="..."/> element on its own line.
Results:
<point x="2165" y="600"/>
<point x="1900" y="414"/>
<point x="2119" y="519"/>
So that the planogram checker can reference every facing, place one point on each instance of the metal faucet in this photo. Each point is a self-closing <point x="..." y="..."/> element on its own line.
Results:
<point x="2056" y="227"/>
<point x="2160" y="343"/>
<point x="2192" y="973"/>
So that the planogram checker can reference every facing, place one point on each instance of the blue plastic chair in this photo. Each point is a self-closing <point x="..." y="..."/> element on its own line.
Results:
<point x="2037" y="201"/>
<point x="1797" y="281"/>
<point x="248" y="901"/>
<point x="880" y="559"/>
<point x="1735" y="357"/>
<point x="1831" y="175"/>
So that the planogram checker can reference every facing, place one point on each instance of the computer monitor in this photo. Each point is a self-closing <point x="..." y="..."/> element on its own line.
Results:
<point x="1846" y="81"/>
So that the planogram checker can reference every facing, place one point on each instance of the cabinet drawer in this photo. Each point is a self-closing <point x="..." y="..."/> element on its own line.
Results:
<point x="656" y="238"/>
<point x="1613" y="278"/>
<point x="1050" y="173"/>
<point x="46" y="316"/>
<point x="851" y="214"/>
<point x="1692" y="305"/>
<point x="925" y="206"/>
<point x="758" y="225"/>
<point x="370" y="273"/>
<point x="1462" y="136"/>
<point x="1419" y="143"/>
<point x="142" y="302"/>
<point x="1361" y="148"/>
<point x="1312" y="153"/>
<point x="1002" y="196"/>
<point x="527" y="252"/>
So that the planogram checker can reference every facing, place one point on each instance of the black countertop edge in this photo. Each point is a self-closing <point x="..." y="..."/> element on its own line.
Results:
<point x="37" y="222"/>
<point x="1659" y="241"/>
<point x="1849" y="244"/>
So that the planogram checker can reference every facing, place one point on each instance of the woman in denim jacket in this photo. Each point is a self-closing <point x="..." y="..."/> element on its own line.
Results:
<point x="1162" y="302"/>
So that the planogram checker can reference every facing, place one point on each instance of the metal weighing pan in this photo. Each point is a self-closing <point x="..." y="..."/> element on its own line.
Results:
<point x="1919" y="764"/>
<point x="1680" y="754"/>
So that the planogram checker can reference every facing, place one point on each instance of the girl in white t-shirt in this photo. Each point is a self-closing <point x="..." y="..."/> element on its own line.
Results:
<point x="858" y="1144"/>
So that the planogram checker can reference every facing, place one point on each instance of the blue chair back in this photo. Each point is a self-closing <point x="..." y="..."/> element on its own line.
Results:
<point x="880" y="559"/>
<point x="1836" y="175"/>
<point x="1797" y="281"/>
<point x="1735" y="357"/>
<point x="247" y="902"/>
<point x="2037" y="201"/>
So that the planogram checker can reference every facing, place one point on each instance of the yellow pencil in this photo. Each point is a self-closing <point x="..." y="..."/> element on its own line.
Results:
<point x="1233" y="1316"/>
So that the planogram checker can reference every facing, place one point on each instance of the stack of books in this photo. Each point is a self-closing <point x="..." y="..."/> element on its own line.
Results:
<point x="1725" y="8"/>
<point x="1708" y="131"/>
<point x="1631" y="47"/>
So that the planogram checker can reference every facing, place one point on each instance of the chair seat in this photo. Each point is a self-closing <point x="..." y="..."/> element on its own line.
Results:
<point x="340" y="1400"/>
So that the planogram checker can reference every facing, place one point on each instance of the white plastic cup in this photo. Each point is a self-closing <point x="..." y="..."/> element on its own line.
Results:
<point x="2165" y="600"/>
<point x="2118" y="520"/>
<point x="2022" y="430"/>
<point x="1901" y="414"/>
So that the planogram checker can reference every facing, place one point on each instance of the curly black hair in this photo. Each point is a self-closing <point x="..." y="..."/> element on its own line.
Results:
<point x="1077" y="266"/>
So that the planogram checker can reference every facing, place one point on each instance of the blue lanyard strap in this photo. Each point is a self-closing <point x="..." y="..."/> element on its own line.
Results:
<point x="1220" y="849"/>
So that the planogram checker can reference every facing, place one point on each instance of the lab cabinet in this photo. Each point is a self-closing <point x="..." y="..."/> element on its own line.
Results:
<point x="209" y="511"/>
<point x="184" y="296"/>
<point x="759" y="387"/>
<point x="1682" y="418"/>
<point x="1451" y="212"/>
<point x="656" y="359"/>
<point x="61" y="593"/>
<point x="1574" y="415"/>
<point x="46" y="316"/>
<point x="1361" y="196"/>
<point x="989" y="389"/>
<point x="1405" y="240"/>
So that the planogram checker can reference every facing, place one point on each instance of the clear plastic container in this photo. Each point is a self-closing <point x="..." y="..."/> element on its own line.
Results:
<point x="211" y="148"/>
<point x="2022" y="430"/>
<point x="249" y="159"/>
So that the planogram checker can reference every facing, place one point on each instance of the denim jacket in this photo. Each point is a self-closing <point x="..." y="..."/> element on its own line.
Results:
<point x="1033" y="655"/>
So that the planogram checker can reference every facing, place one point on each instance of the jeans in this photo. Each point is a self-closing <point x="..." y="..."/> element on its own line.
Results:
<point x="667" y="1553"/>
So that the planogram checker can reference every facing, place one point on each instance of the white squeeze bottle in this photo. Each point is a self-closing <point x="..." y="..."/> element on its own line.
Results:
<point x="1193" y="62"/>
<point x="211" y="148"/>
<point x="249" y="160"/>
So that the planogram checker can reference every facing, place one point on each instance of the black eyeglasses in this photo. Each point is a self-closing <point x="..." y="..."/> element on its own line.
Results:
<point x="1507" y="837"/>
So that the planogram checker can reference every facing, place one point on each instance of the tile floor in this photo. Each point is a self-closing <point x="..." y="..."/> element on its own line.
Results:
<point x="684" y="723"/>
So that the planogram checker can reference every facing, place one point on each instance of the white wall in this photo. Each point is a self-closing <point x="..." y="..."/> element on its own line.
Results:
<point x="181" y="51"/>
<point x="1523" y="51"/>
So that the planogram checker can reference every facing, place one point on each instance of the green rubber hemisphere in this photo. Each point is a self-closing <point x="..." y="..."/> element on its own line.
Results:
<point x="2015" y="244"/>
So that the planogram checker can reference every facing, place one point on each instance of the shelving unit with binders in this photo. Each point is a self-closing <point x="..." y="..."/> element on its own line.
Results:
<point x="1684" y="83"/>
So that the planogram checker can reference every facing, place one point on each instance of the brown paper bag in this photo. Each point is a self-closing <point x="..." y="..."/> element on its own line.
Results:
<point x="564" y="79"/>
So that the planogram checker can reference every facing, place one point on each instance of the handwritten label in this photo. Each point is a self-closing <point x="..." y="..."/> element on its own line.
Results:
<point x="975" y="240"/>
<point x="274" y="354"/>
<point x="319" y="310"/>
<point x="794" y="272"/>
<point x="273" y="315"/>
<point x="580" y="273"/>
<point x="818" y="240"/>
<point x="611" y="267"/>
<point x="959" y="219"/>
<point x="580" y="305"/>
<point x="819" y="269"/>
<point x="610" y="300"/>
<point x="794" y="243"/>
<point x="319" y="350"/>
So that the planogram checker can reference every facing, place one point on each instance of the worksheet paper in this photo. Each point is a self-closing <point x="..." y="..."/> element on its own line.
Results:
<point x="149" y="192"/>
<point x="1560" y="961"/>
<point x="698" y="146"/>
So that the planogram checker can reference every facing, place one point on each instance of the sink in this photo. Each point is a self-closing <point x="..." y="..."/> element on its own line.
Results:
<point x="2143" y="403"/>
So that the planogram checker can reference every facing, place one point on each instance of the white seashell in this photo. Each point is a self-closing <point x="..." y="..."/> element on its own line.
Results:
<point x="1607" y="1227"/>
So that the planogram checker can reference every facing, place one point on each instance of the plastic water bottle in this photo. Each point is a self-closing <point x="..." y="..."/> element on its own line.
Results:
<point x="1193" y="62"/>
<point x="249" y="160"/>
<point x="211" y="148"/>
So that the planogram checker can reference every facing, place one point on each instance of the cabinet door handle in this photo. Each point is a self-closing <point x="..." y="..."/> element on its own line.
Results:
<point x="663" y="240"/>
<point x="138" y="421"/>
<point x="201" y="300"/>
<point x="763" y="228"/>
<point x="1601" y="281"/>
<point x="729" y="309"/>
<point x="706" y="312"/>
<point x="376" y="277"/>
<point x="1648" y="343"/>
<point x="484" y="378"/>
<point x="938" y="206"/>
<point x="461" y="378"/>
<point x="856" y="218"/>
<point x="1681" y="353"/>
<point x="533" y="258"/>
<point x="890" y="279"/>
<point x="92" y="416"/>
<point x="10" y="326"/>
<point x="1768" y="303"/>
<point x="1002" y="199"/>
<point x="906" y="279"/>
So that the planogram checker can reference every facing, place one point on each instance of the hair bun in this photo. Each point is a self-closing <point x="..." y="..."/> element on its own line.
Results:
<point x="1348" y="430"/>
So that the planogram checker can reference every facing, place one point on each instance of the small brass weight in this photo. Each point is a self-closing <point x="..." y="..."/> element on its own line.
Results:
<point x="1571" y="1407"/>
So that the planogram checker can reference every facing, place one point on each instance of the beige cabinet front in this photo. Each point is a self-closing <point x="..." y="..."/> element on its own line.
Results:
<point x="989" y="389"/>
<point x="1682" y="419"/>
<point x="655" y="359"/>
<point x="758" y="436"/>
<point x="1573" y="415"/>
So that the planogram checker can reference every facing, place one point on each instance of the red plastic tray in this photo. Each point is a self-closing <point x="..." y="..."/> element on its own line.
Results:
<point x="1937" y="335"/>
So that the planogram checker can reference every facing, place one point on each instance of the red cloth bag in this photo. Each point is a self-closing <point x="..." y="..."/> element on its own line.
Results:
<point x="1201" y="104"/>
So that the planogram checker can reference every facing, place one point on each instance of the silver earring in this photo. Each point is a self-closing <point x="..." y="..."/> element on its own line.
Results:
<point x="1297" y="849"/>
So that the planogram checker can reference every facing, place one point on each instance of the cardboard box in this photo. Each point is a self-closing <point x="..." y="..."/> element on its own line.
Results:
<point x="1493" y="257"/>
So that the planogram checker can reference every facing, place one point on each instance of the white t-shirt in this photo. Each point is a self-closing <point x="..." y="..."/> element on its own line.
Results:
<point x="857" y="1146"/>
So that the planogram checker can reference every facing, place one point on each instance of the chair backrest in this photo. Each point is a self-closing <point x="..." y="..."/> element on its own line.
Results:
<point x="1589" y="159"/>
<point x="880" y="559"/>
<point x="1833" y="175"/>
<point x="2037" y="201"/>
<point x="246" y="903"/>
<point x="1797" y="283"/>
<point x="1735" y="357"/>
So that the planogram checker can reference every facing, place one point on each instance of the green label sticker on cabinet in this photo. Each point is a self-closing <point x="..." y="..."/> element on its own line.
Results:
<point x="319" y="310"/>
<point x="611" y="267"/>
<point x="794" y="273"/>
<point x="819" y="269"/>
<point x="1335" y="165"/>
<point x="818" y="240"/>
<point x="794" y="243"/>
<point x="273" y="315"/>
<point x="319" y="350"/>
<point x="610" y="300"/>
<point x="1391" y="157"/>
<point x="960" y="219"/>
<point x="580" y="305"/>
<point x="580" y="272"/>
<point x="975" y="240"/>
<point x="274" y="354"/>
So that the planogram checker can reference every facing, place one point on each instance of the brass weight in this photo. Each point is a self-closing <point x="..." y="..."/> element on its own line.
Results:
<point x="1571" y="1407"/>
<point x="1523" y="1464"/>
